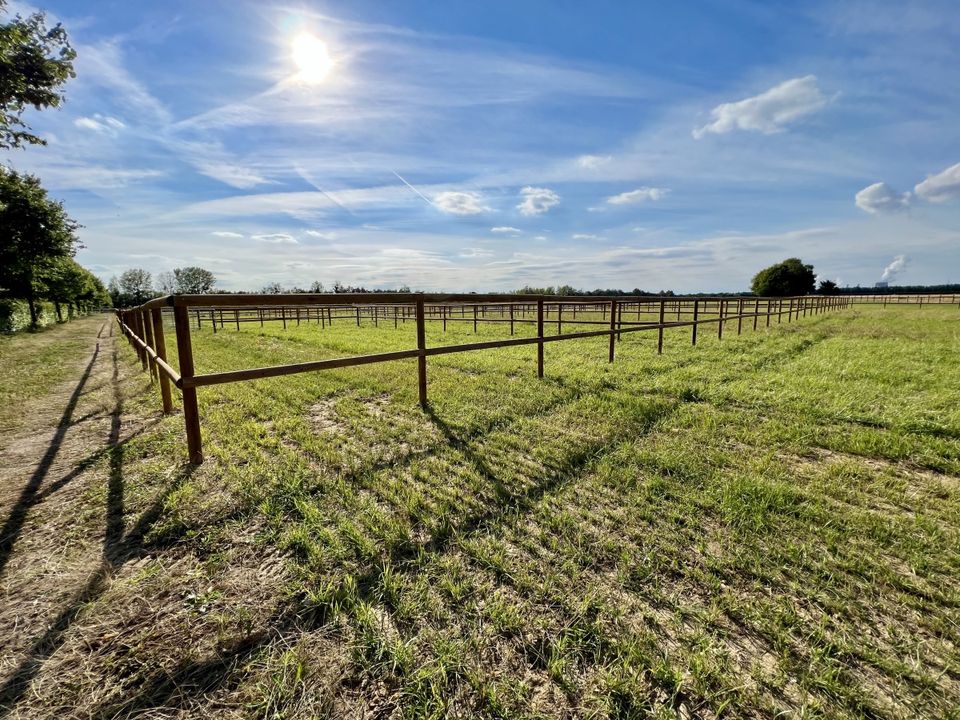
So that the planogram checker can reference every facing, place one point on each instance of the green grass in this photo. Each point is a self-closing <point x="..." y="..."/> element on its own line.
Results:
<point x="761" y="526"/>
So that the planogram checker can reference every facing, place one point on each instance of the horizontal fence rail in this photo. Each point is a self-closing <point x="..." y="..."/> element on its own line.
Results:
<point x="570" y="317"/>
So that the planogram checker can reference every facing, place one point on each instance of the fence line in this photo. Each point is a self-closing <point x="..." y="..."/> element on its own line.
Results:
<point x="143" y="327"/>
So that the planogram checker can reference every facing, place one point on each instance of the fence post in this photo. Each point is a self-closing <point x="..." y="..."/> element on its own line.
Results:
<point x="540" y="335"/>
<point x="756" y="313"/>
<point x="739" y="315"/>
<point x="511" y="319"/>
<point x="191" y="413"/>
<point x="422" y="357"/>
<point x="613" y="327"/>
<point x="148" y="339"/>
<point x="138" y="329"/>
<point x="156" y="317"/>
<point x="696" y="314"/>
<point x="236" y="317"/>
<point x="660" y="332"/>
<point x="474" y="319"/>
<point x="720" y="308"/>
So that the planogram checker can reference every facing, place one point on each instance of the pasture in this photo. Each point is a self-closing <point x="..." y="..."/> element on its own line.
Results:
<point x="760" y="526"/>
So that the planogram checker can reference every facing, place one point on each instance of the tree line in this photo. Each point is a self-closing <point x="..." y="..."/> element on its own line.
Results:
<point x="37" y="238"/>
<point x="791" y="277"/>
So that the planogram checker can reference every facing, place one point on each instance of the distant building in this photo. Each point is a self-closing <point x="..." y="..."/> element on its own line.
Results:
<point x="882" y="284"/>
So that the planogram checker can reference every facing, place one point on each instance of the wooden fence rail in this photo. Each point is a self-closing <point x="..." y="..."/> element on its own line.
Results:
<point x="610" y="316"/>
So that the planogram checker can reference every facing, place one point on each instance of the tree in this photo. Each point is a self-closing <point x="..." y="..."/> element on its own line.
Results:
<point x="62" y="282"/>
<point x="165" y="283"/>
<point x="273" y="288"/>
<point x="193" y="280"/>
<point x="790" y="277"/>
<point x="316" y="287"/>
<point x="35" y="231"/>
<point x="827" y="287"/>
<point x="133" y="287"/>
<point x="34" y="63"/>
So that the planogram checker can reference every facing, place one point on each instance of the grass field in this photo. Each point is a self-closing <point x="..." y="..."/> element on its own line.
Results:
<point x="764" y="526"/>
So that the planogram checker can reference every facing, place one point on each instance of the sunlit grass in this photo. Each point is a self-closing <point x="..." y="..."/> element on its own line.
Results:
<point x="757" y="525"/>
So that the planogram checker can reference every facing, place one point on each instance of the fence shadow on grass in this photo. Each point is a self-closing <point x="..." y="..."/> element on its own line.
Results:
<point x="28" y="496"/>
<point x="118" y="546"/>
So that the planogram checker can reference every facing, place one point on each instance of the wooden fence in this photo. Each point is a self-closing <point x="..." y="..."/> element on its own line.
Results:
<point x="610" y="316"/>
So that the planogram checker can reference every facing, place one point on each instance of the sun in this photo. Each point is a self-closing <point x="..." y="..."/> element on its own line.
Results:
<point x="311" y="57"/>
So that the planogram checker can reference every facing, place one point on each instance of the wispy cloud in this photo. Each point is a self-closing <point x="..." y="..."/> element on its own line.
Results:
<point x="276" y="239"/>
<point x="941" y="187"/>
<point x="640" y="195"/>
<point x="770" y="111"/>
<point x="230" y="174"/>
<point x="226" y="234"/>
<point x="100" y="123"/>
<point x="592" y="162"/>
<point x="505" y="230"/>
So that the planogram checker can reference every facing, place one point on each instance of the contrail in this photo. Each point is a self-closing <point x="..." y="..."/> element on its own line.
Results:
<point x="319" y="189"/>
<point x="400" y="177"/>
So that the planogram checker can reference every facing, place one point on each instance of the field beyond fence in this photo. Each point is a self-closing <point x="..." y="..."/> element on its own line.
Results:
<point x="551" y="318"/>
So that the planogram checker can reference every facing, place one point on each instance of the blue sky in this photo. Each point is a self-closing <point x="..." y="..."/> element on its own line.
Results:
<point x="471" y="146"/>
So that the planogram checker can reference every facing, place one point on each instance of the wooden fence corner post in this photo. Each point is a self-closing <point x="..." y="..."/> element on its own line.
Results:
<point x="191" y="413"/>
<point x="540" y="335"/>
<point x="422" y="356"/>
<point x="156" y="317"/>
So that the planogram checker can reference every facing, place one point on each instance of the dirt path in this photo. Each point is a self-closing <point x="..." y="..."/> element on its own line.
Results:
<point x="60" y="531"/>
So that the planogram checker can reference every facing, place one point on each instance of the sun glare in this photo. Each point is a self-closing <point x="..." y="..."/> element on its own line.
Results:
<point x="311" y="57"/>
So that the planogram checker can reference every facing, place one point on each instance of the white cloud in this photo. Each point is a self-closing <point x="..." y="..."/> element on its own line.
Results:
<point x="539" y="237"/>
<point x="880" y="197"/>
<point x="898" y="265"/>
<point x="226" y="234"/>
<point x="505" y="230"/>
<point x="460" y="203"/>
<point x="941" y="187"/>
<point x="640" y="195"/>
<point x="100" y="123"/>
<point x="592" y="162"/>
<point x="471" y="252"/>
<point x="321" y="235"/>
<point x="537" y="201"/>
<point x="585" y="236"/>
<point x="276" y="239"/>
<point x="770" y="111"/>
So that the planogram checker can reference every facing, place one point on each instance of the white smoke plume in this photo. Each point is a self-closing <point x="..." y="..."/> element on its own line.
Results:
<point x="894" y="268"/>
